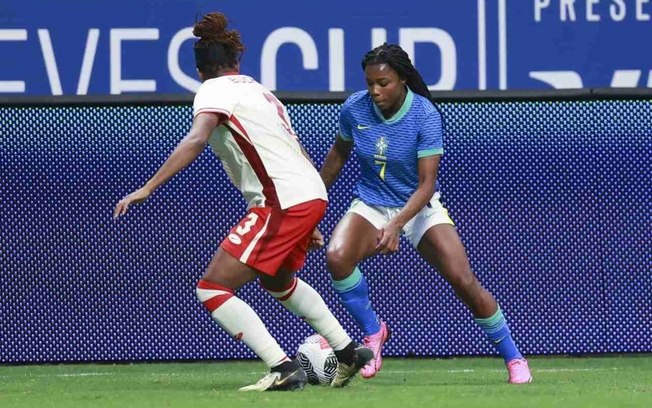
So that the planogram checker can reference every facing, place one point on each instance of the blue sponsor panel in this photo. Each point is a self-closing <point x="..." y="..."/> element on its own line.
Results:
<point x="552" y="200"/>
<point x="579" y="44"/>
<point x="97" y="47"/>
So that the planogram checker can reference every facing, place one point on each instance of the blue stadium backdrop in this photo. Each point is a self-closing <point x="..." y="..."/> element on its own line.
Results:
<point x="74" y="47"/>
<point x="552" y="199"/>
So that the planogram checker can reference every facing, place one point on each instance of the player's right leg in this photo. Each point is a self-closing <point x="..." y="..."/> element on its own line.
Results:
<point x="215" y="290"/>
<point x="354" y="239"/>
<point x="442" y="248"/>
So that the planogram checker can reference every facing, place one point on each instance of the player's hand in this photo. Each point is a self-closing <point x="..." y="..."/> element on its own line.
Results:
<point x="136" y="197"/>
<point x="388" y="239"/>
<point x="316" y="240"/>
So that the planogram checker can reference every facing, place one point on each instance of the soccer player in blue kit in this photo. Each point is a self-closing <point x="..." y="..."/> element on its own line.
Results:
<point x="396" y="132"/>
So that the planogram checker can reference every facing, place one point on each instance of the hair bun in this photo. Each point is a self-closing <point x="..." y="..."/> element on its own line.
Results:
<point x="211" y="27"/>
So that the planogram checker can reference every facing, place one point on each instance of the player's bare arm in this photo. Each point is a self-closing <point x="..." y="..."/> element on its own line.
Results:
<point x="335" y="159"/>
<point x="389" y="235"/>
<point x="183" y="155"/>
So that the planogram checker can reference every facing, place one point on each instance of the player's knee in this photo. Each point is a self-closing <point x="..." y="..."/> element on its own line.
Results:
<point x="212" y="295"/>
<point x="338" y="263"/>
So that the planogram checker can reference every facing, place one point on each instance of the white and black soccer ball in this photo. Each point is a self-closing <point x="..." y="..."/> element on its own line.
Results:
<point x="318" y="360"/>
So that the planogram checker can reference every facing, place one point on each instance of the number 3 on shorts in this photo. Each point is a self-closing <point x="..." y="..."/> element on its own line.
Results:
<point x="244" y="228"/>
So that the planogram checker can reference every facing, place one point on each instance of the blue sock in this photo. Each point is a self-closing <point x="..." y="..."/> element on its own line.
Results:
<point x="354" y="294"/>
<point x="498" y="333"/>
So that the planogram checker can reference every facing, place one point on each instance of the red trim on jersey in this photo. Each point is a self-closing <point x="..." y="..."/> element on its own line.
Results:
<point x="223" y="113"/>
<point x="249" y="150"/>
<point x="240" y="129"/>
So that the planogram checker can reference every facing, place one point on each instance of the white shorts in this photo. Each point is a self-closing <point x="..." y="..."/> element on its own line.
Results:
<point x="432" y="214"/>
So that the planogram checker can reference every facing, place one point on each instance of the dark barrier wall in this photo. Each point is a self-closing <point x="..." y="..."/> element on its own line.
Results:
<point x="552" y="199"/>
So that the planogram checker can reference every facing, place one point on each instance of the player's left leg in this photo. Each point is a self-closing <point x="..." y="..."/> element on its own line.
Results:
<point x="301" y="299"/>
<point x="439" y="244"/>
<point x="216" y="290"/>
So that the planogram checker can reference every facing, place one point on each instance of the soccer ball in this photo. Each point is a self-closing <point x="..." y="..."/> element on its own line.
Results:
<point x="318" y="360"/>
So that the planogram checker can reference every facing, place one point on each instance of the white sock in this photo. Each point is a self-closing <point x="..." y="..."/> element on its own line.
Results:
<point x="240" y="321"/>
<point x="304" y="301"/>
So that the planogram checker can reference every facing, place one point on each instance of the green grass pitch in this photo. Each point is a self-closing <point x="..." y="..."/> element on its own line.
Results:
<point x="612" y="381"/>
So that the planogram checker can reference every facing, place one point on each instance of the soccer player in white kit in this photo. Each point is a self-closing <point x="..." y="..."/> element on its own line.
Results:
<point x="250" y="131"/>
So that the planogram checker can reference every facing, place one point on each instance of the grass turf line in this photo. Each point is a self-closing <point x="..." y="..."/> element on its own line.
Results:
<point x="622" y="381"/>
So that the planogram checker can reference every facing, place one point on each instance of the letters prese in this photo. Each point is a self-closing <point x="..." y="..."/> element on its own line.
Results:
<point x="567" y="10"/>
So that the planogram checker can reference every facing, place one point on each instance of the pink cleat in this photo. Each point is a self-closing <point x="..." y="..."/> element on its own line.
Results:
<point x="519" y="371"/>
<point x="375" y="342"/>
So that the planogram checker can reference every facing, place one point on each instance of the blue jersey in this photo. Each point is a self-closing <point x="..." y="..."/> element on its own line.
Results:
<point x="388" y="149"/>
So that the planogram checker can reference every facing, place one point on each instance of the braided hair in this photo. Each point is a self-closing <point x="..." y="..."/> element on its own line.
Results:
<point x="397" y="58"/>
<point x="217" y="47"/>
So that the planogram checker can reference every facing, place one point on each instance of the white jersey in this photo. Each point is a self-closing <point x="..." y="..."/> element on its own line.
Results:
<point x="257" y="145"/>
